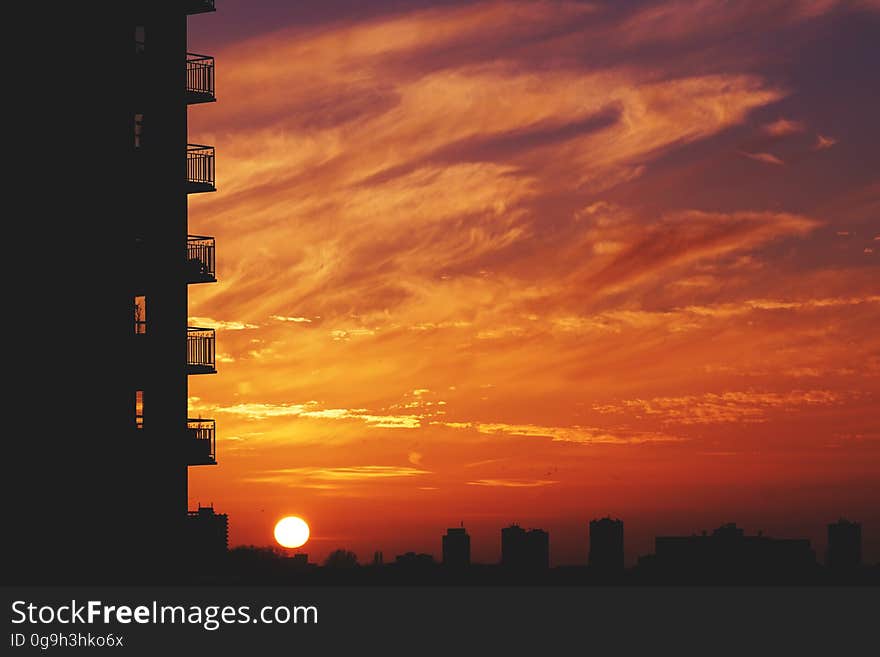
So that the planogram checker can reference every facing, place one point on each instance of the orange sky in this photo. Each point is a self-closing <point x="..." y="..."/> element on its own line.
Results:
<point x="542" y="262"/>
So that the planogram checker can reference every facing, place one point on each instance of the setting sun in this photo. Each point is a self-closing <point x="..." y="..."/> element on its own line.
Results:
<point x="291" y="532"/>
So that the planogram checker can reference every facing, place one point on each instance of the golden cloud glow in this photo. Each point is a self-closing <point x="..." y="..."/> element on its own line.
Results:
<point x="582" y="435"/>
<point x="533" y="246"/>
<point x="709" y="408"/>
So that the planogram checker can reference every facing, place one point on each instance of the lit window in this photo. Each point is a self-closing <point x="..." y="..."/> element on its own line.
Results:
<point x="139" y="409"/>
<point x="140" y="315"/>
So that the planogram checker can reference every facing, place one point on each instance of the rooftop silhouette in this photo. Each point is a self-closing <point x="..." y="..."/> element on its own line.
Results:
<point x="606" y="545"/>
<point x="525" y="549"/>
<point x="456" y="548"/>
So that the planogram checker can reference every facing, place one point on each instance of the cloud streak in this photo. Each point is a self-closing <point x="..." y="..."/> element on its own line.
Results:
<point x="766" y="158"/>
<point x="513" y="483"/>
<point x="734" y="406"/>
<point x="331" y="478"/>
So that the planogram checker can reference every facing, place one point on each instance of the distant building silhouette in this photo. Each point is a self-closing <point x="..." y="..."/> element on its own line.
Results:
<point x="456" y="548"/>
<point x="299" y="561"/>
<point x="207" y="535"/>
<point x="341" y="559"/>
<point x="729" y="552"/>
<point x="844" y="545"/>
<point x="525" y="549"/>
<point x="414" y="560"/>
<point x="606" y="545"/>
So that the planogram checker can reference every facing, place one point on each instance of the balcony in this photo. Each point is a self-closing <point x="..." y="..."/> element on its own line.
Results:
<point x="199" y="75"/>
<point x="201" y="442"/>
<point x="200" y="350"/>
<point x="199" y="6"/>
<point x="200" y="259"/>
<point x="199" y="79"/>
<point x="199" y="168"/>
<point x="199" y="266"/>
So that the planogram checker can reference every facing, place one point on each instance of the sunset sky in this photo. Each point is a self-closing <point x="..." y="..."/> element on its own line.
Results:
<point x="541" y="262"/>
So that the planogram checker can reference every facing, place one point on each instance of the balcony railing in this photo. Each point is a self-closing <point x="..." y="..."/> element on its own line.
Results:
<point x="201" y="442"/>
<point x="199" y="78"/>
<point x="199" y="168"/>
<point x="200" y="259"/>
<point x="199" y="75"/>
<point x="200" y="350"/>
<point x="199" y="6"/>
<point x="199" y="266"/>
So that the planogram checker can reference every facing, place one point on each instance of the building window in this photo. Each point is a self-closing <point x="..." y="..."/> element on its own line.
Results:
<point x="139" y="409"/>
<point x="140" y="315"/>
<point x="138" y="130"/>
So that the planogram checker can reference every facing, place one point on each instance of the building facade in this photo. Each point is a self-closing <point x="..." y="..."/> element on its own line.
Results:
<point x="166" y="259"/>
<point x="525" y="549"/>
<point x="109" y="438"/>
<point x="207" y="537"/>
<point x="844" y="545"/>
<point x="606" y="545"/>
<point x="728" y="552"/>
<point x="456" y="548"/>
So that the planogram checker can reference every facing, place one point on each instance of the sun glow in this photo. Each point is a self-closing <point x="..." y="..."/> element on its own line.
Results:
<point x="291" y="532"/>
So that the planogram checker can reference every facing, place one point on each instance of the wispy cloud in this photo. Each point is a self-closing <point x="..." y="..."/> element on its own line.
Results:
<point x="684" y="238"/>
<point x="782" y="128"/>
<point x="766" y="158"/>
<point x="346" y="334"/>
<point x="574" y="434"/>
<point x="311" y="409"/>
<point x="220" y="324"/>
<point x="734" y="406"/>
<point x="823" y="142"/>
<point x="261" y="411"/>
<point x="333" y="477"/>
<point x="295" y="320"/>
<point x="513" y="483"/>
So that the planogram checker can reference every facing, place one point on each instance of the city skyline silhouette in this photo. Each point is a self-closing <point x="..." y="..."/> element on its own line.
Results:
<point x="727" y="555"/>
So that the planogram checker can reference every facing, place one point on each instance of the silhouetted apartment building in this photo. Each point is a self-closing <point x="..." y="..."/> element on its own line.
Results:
<point x="110" y="214"/>
<point x="606" y="545"/>
<point x="844" y="545"/>
<point x="728" y="552"/>
<point x="456" y="548"/>
<point x="207" y="535"/>
<point x="523" y="549"/>
<point x="108" y="341"/>
<point x="165" y="259"/>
